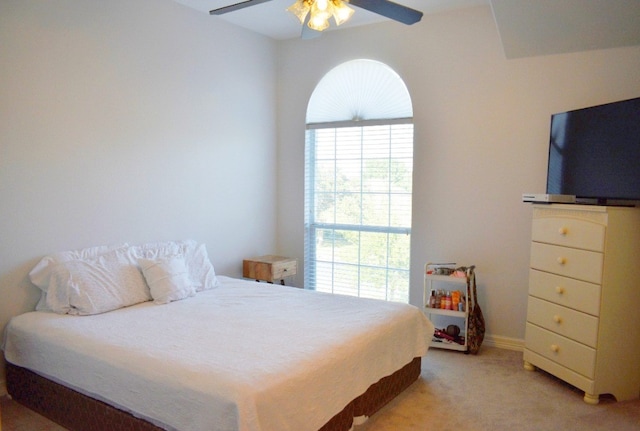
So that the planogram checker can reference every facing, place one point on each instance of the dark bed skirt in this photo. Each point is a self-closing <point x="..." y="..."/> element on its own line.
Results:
<point x="78" y="412"/>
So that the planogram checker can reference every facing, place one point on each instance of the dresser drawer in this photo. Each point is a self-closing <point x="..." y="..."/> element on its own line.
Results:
<point x="571" y="354"/>
<point x="576" y="294"/>
<point x="572" y="324"/>
<point x="569" y="232"/>
<point x="284" y="268"/>
<point x="569" y="262"/>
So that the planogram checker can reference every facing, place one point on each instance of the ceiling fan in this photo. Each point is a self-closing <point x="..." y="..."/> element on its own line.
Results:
<point x="316" y="13"/>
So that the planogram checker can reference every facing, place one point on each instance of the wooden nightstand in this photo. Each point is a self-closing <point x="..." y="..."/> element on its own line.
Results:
<point x="268" y="268"/>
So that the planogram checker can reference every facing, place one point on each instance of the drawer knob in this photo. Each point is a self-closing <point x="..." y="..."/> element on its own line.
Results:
<point x="562" y="260"/>
<point x="557" y="319"/>
<point x="555" y="348"/>
<point x="563" y="231"/>
<point x="559" y="290"/>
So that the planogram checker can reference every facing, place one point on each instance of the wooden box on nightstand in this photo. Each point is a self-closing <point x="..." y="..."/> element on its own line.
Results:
<point x="269" y="268"/>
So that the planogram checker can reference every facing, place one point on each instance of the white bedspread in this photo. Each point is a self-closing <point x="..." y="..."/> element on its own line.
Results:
<point x="243" y="357"/>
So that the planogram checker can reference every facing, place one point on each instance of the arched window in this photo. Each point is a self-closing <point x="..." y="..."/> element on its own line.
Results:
<point x="358" y="183"/>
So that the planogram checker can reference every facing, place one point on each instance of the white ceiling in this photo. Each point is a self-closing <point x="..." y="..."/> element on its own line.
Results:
<point x="534" y="27"/>
<point x="526" y="27"/>
<point x="272" y="19"/>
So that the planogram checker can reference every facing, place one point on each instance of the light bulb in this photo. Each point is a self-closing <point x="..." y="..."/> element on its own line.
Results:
<point x="318" y="24"/>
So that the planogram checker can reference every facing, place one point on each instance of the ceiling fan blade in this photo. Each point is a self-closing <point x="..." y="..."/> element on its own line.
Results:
<point x="237" y="6"/>
<point x="392" y="10"/>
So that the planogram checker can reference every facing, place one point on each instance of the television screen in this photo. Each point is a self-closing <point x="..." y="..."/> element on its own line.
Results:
<point x="594" y="153"/>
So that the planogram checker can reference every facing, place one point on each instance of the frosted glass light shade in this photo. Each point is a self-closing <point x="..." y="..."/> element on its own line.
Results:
<point x="341" y="12"/>
<point x="300" y="9"/>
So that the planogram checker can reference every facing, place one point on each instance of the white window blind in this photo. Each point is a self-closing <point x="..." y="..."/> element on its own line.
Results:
<point x="359" y="210"/>
<point x="358" y="183"/>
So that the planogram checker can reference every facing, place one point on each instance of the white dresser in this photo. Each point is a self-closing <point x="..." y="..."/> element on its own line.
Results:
<point x="583" y="319"/>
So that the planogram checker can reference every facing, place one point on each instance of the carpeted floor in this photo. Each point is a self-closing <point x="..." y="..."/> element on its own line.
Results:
<point x="490" y="391"/>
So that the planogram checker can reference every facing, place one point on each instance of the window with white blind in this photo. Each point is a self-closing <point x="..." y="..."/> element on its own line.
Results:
<point x="358" y="192"/>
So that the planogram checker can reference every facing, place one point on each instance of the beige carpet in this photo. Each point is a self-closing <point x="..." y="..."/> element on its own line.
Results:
<point x="490" y="391"/>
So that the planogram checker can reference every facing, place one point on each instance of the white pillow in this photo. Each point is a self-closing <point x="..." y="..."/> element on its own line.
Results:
<point x="195" y="257"/>
<point x="41" y="274"/>
<point x="91" y="286"/>
<point x="200" y="268"/>
<point x="168" y="279"/>
<point x="162" y="249"/>
<point x="85" y="281"/>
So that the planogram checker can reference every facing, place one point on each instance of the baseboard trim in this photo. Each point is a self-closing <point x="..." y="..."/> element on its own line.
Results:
<point x="504" y="342"/>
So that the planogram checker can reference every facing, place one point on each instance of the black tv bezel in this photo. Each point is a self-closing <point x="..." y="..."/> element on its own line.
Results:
<point x="587" y="199"/>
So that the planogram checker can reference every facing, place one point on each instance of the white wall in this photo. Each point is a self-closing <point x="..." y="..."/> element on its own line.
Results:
<point x="143" y="121"/>
<point x="131" y="121"/>
<point x="481" y="137"/>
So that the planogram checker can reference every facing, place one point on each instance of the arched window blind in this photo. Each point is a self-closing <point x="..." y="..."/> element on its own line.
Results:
<point x="358" y="183"/>
<point x="359" y="90"/>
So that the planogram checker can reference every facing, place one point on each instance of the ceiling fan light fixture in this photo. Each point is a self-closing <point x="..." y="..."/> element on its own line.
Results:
<point x="320" y="11"/>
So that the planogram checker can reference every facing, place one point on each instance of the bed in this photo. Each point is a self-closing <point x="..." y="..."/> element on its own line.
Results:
<point x="228" y="355"/>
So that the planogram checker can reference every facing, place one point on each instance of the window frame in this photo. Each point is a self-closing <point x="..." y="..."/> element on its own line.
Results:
<point x="311" y="226"/>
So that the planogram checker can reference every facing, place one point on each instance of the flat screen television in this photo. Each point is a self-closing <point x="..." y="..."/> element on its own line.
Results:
<point x="594" y="154"/>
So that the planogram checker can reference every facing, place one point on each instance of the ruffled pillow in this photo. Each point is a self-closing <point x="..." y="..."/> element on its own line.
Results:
<point x="201" y="269"/>
<point x="92" y="286"/>
<point x="195" y="256"/>
<point x="41" y="274"/>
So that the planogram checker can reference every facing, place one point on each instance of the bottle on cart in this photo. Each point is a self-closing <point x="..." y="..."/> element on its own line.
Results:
<point x="432" y="299"/>
<point x="455" y="299"/>
<point x="447" y="301"/>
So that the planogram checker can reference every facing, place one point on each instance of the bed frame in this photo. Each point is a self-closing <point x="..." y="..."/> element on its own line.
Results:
<point x="78" y="412"/>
